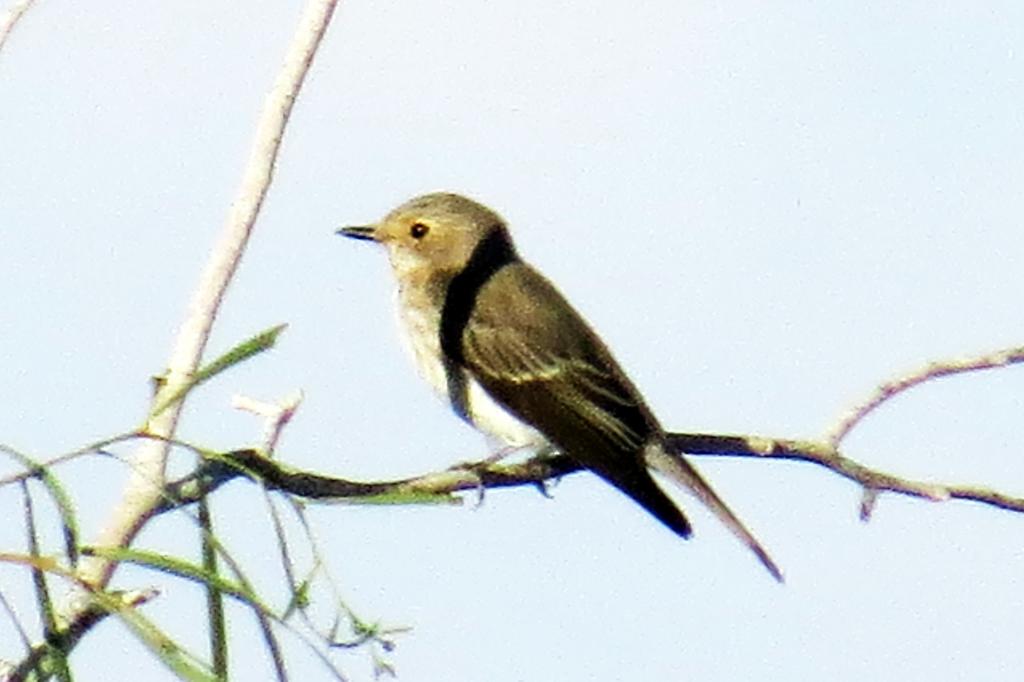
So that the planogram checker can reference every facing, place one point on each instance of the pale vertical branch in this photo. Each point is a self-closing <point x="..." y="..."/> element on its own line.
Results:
<point x="10" y="19"/>
<point x="143" y="490"/>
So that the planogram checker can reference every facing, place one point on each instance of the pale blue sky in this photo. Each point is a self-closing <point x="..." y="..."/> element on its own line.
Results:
<point x="764" y="212"/>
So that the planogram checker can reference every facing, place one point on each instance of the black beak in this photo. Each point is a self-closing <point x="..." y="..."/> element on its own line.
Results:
<point x="358" y="232"/>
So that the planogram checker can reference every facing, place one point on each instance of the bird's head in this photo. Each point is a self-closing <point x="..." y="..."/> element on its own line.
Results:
<point x="431" y="234"/>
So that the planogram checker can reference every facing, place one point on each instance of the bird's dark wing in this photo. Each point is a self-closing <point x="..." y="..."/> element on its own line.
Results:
<point x="536" y="356"/>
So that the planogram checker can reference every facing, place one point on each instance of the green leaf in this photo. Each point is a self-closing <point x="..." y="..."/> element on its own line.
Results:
<point x="240" y="353"/>
<point x="398" y="497"/>
<point x="69" y="525"/>
<point x="300" y="597"/>
<point x="174" y="656"/>
<point x="214" y="597"/>
<point x="58" y="658"/>
<point x="182" y="569"/>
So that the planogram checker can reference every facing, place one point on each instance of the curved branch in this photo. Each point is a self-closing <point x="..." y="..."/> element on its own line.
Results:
<point x="10" y="19"/>
<point x="431" y="487"/>
<point x="932" y="370"/>
<point x="537" y="471"/>
<point x="828" y="456"/>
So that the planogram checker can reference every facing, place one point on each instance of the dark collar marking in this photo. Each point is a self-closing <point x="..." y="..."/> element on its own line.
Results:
<point x="493" y="253"/>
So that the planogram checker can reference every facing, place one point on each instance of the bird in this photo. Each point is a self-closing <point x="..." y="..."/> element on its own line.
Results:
<point x="514" y="359"/>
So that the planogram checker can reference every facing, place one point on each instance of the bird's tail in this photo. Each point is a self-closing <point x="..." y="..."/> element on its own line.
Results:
<point x="643" y="489"/>
<point x="672" y="465"/>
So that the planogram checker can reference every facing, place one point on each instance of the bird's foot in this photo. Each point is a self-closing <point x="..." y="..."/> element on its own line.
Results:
<point x="494" y="458"/>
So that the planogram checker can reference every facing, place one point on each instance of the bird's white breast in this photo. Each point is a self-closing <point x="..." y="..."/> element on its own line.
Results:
<point x="420" y="323"/>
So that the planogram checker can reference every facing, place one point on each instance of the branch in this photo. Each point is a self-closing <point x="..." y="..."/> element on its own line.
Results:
<point x="537" y="471"/>
<point x="65" y="639"/>
<point x="432" y="487"/>
<point x="144" y="489"/>
<point x="10" y="19"/>
<point x="932" y="370"/>
<point x="826" y="455"/>
<point x="440" y="486"/>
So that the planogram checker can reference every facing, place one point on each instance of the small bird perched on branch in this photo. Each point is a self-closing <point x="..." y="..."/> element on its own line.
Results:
<point x="515" y="360"/>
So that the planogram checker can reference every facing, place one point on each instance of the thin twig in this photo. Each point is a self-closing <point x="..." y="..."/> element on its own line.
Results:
<point x="43" y="599"/>
<point x="276" y="417"/>
<point x="10" y="19"/>
<point x="932" y="370"/>
<point x="13" y="616"/>
<point x="823" y="454"/>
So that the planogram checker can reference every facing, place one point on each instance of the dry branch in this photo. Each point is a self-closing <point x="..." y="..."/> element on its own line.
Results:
<point x="541" y="469"/>
<point x="143" y="491"/>
<point x="10" y="19"/>
<point x="932" y="370"/>
<point x="67" y="637"/>
<point x="538" y="471"/>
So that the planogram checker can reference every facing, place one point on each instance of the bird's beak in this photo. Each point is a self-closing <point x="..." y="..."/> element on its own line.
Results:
<point x="366" y="232"/>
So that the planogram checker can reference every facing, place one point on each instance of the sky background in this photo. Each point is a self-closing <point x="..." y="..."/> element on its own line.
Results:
<point x="765" y="212"/>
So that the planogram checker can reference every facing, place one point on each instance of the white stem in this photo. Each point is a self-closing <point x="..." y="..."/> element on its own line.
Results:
<point x="10" y="18"/>
<point x="148" y="462"/>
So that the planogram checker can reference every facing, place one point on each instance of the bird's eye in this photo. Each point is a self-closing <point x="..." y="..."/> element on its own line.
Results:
<point x="418" y="230"/>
